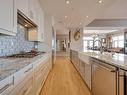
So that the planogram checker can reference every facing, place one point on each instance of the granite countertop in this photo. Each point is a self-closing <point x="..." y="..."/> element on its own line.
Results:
<point x="9" y="66"/>
<point x="118" y="60"/>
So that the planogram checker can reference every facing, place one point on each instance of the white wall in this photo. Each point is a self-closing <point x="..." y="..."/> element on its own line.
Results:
<point x="77" y="45"/>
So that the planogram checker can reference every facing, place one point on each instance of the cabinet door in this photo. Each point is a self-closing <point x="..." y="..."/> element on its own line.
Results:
<point x="22" y="5"/>
<point x="24" y="88"/>
<point x="87" y="74"/>
<point x="41" y="27"/>
<point x="7" y="15"/>
<point x="40" y="21"/>
<point x="32" y="10"/>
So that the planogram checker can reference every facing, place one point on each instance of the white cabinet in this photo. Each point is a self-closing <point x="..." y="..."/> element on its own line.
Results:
<point x="38" y="17"/>
<point x="7" y="17"/>
<point x="41" y="26"/>
<point x="32" y="10"/>
<point x="6" y="85"/>
<point x="24" y="88"/>
<point x="41" y="73"/>
<point x="22" y="5"/>
<point x="29" y="80"/>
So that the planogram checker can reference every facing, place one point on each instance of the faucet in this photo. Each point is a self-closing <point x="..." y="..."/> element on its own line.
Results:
<point x="101" y="48"/>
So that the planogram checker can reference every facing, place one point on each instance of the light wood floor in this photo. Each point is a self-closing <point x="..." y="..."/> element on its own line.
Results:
<point x="64" y="80"/>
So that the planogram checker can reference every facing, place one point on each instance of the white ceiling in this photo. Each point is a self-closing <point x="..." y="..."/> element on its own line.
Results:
<point x="76" y="12"/>
<point x="98" y="31"/>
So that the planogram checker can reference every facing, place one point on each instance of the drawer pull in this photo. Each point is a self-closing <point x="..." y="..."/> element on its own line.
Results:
<point x="42" y="69"/>
<point x="6" y="86"/>
<point x="28" y="69"/>
<point x="25" y="91"/>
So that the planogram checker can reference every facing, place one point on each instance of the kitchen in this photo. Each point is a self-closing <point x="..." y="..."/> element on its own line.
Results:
<point x="93" y="42"/>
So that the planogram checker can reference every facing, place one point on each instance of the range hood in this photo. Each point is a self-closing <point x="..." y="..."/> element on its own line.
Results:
<point x="25" y="21"/>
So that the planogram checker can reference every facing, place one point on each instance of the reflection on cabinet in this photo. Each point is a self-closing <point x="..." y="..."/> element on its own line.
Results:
<point x="7" y="17"/>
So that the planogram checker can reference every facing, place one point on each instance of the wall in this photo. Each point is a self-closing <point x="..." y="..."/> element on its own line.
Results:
<point x="77" y="45"/>
<point x="15" y="44"/>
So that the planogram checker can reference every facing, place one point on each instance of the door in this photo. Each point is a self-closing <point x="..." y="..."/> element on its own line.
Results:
<point x="103" y="80"/>
<point x="7" y="15"/>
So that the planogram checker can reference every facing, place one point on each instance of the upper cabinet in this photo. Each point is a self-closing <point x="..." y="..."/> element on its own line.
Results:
<point x="32" y="10"/>
<point x="7" y="17"/>
<point x="22" y="5"/>
<point x="39" y="19"/>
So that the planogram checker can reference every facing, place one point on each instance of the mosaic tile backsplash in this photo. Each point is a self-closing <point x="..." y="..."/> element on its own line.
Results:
<point x="15" y="44"/>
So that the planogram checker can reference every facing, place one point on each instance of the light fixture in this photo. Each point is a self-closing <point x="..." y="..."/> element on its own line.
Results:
<point x="65" y="16"/>
<point x="67" y="2"/>
<point x="26" y="25"/>
<point x="100" y="1"/>
<point x="87" y="16"/>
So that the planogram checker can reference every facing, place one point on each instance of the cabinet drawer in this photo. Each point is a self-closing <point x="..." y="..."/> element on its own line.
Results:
<point x="6" y="85"/>
<point x="22" y="74"/>
<point x="24" y="88"/>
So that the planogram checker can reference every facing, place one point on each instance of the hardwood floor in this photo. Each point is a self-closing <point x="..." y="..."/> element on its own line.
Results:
<point x="64" y="80"/>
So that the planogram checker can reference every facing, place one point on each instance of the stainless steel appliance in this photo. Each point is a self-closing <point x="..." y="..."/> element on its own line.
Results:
<point x="104" y="78"/>
<point x="122" y="82"/>
<point x="25" y="21"/>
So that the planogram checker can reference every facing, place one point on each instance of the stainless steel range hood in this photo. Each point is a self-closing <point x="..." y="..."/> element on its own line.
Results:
<point x="25" y="21"/>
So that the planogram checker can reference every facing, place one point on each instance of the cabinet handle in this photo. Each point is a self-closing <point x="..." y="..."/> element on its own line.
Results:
<point x="28" y="69"/>
<point x="7" y="86"/>
<point x="42" y="69"/>
<point x="110" y="70"/>
<point x="25" y="91"/>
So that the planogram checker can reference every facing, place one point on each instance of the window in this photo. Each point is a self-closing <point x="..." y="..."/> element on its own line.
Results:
<point x="88" y="42"/>
<point x="118" y="41"/>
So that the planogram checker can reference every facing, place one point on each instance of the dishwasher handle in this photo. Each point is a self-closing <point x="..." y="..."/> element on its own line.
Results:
<point x="108" y="69"/>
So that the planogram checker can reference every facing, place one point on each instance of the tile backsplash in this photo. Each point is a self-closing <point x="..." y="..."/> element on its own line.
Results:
<point x="15" y="44"/>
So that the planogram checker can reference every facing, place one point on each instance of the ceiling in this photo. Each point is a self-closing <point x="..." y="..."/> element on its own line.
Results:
<point x="98" y="31"/>
<point x="74" y="14"/>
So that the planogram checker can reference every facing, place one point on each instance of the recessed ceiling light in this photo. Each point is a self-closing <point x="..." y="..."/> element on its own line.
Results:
<point x="67" y="2"/>
<point x="100" y="1"/>
<point x="87" y="16"/>
<point x="65" y="16"/>
<point x="26" y="25"/>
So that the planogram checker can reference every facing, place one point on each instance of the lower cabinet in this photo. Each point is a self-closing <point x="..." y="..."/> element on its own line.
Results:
<point x="24" y="88"/>
<point x="83" y="66"/>
<point x="41" y="73"/>
<point x="29" y="80"/>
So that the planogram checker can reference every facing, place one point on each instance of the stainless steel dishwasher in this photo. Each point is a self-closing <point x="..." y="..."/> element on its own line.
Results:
<point x="104" y="78"/>
<point x="122" y="82"/>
